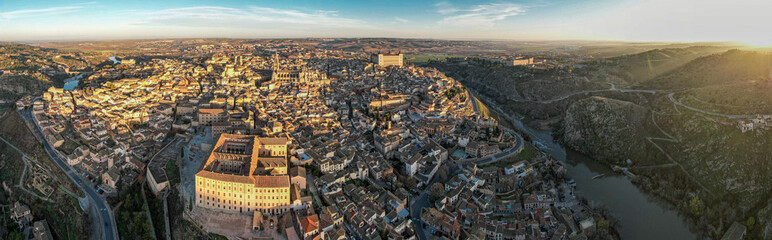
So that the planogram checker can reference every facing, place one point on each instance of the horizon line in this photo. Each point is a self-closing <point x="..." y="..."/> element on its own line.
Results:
<point x="727" y="42"/>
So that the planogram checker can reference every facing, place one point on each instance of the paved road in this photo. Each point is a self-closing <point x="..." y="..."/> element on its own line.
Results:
<point x="105" y="214"/>
<point x="312" y="187"/>
<point x="509" y="152"/>
<point x="423" y="202"/>
<point x="415" y="212"/>
<point x="495" y="157"/>
<point x="611" y="89"/>
<point x="707" y="112"/>
<point x="473" y="100"/>
<point x="423" y="199"/>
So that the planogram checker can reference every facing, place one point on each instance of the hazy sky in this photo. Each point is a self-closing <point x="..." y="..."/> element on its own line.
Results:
<point x="748" y="21"/>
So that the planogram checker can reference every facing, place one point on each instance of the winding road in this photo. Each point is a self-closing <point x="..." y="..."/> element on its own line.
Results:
<point x="105" y="213"/>
<point x="422" y="201"/>
<point x="707" y="112"/>
<point x="613" y="88"/>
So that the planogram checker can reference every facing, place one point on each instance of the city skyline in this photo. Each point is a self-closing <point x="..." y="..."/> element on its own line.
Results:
<point x="629" y="20"/>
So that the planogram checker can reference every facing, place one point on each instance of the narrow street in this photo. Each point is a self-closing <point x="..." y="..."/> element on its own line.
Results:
<point x="422" y="201"/>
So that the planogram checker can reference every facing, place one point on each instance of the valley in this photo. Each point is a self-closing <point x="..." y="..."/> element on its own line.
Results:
<point x="670" y="117"/>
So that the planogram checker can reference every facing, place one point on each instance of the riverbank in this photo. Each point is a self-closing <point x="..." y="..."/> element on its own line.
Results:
<point x="640" y="216"/>
<point x="72" y="83"/>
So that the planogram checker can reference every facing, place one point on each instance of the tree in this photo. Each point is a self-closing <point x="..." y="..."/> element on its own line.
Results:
<point x="15" y="235"/>
<point x="436" y="191"/>
<point x="411" y="183"/>
<point x="442" y="173"/>
<point x="506" y="183"/>
<point x="696" y="205"/>
<point x="603" y="223"/>
<point x="750" y="222"/>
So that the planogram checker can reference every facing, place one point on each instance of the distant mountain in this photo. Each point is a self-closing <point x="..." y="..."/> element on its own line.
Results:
<point x="633" y="69"/>
<point x="728" y="68"/>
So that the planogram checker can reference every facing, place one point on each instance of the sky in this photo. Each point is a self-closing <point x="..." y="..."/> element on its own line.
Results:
<point x="747" y="21"/>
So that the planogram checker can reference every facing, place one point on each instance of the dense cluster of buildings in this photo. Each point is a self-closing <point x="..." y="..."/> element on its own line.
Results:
<point x="338" y="144"/>
<point x="526" y="200"/>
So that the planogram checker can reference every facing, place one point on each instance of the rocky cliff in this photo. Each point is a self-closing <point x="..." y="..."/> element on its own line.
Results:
<point x="605" y="128"/>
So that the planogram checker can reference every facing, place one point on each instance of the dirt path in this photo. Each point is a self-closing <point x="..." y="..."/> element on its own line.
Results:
<point x="673" y="161"/>
<point x="24" y="158"/>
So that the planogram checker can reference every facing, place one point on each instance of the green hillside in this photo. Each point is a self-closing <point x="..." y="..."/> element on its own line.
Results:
<point x="699" y="162"/>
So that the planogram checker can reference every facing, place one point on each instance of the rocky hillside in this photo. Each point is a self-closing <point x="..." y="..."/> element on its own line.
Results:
<point x="30" y="70"/>
<point x="698" y="161"/>
<point x="633" y="69"/>
<point x="728" y="68"/>
<point x="596" y="125"/>
<point x="13" y="87"/>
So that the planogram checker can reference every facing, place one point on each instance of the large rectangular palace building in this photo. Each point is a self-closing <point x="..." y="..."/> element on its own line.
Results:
<point x="245" y="173"/>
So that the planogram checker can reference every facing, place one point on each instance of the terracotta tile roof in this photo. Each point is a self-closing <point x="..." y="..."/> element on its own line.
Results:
<point x="310" y="223"/>
<point x="272" y="181"/>
<point x="273" y="141"/>
<point x="224" y="177"/>
<point x="213" y="111"/>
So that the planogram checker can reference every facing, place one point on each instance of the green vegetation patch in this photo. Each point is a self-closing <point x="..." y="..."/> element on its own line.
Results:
<point x="131" y="214"/>
<point x="11" y="164"/>
<point x="156" y="207"/>
<point x="173" y="172"/>
<point x="529" y="152"/>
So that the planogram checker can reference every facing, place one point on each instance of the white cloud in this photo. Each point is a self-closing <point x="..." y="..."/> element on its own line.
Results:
<point x="401" y="20"/>
<point x="445" y="8"/>
<point x="42" y="11"/>
<point x="253" y="17"/>
<point x="480" y="15"/>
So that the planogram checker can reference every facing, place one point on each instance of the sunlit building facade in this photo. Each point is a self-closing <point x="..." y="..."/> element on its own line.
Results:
<point x="245" y="173"/>
<point x="385" y="59"/>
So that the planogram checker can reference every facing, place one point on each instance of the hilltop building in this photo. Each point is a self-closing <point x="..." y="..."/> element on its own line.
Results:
<point x="522" y="61"/>
<point x="386" y="59"/>
<point x="245" y="173"/>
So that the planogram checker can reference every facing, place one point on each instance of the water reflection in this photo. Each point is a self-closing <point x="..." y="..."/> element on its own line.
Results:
<point x="640" y="216"/>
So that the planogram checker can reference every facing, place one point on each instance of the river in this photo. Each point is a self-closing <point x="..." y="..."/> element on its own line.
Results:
<point x="640" y="216"/>
<point x="72" y="83"/>
<point x="114" y="59"/>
